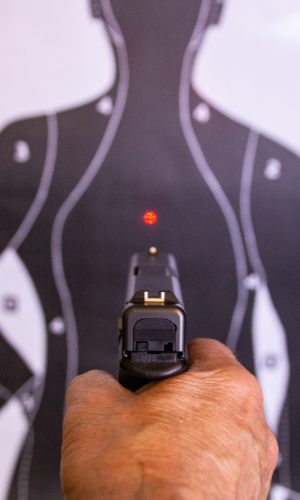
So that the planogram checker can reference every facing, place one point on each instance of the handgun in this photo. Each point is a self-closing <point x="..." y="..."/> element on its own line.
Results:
<point x="152" y="340"/>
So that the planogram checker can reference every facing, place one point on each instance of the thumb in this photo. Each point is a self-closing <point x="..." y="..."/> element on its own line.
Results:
<point x="95" y="386"/>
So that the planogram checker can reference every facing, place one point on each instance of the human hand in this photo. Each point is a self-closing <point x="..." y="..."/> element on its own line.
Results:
<point x="196" y="436"/>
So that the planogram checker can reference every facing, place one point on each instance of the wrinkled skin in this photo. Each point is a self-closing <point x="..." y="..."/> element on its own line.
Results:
<point x="199" y="435"/>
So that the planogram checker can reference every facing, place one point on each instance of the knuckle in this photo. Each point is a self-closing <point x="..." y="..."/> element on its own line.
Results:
<point x="87" y="386"/>
<point x="247" y="395"/>
<point x="74" y="383"/>
<point x="273" y="448"/>
<point x="70" y="424"/>
<point x="74" y="389"/>
<point x="255" y="389"/>
<point x="79" y="393"/>
<point x="221" y="348"/>
<point x="270" y="455"/>
<point x="212" y="345"/>
<point x="252" y="389"/>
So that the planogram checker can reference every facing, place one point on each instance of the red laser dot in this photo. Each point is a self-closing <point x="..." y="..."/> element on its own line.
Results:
<point x="150" y="217"/>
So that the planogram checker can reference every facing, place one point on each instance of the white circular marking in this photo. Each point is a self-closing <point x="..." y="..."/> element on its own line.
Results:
<point x="271" y="360"/>
<point x="252" y="281"/>
<point x="152" y="250"/>
<point x="105" y="105"/>
<point x="202" y="113"/>
<point x="28" y="401"/>
<point x="21" y="152"/>
<point x="273" y="169"/>
<point x="10" y="303"/>
<point x="57" y="326"/>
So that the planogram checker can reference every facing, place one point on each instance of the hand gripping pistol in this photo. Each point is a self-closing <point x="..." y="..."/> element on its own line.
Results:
<point x="152" y="337"/>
